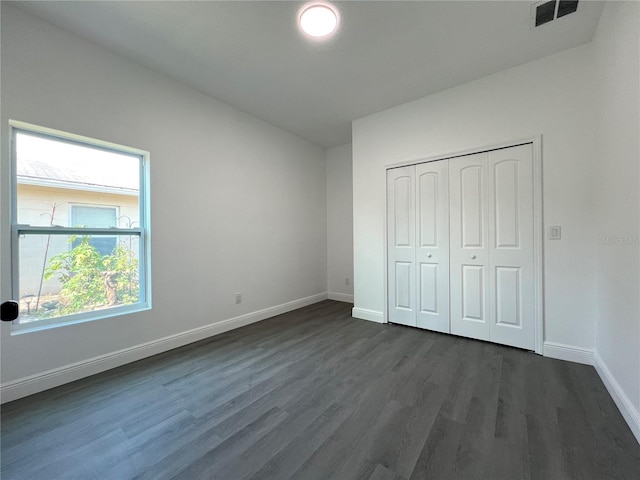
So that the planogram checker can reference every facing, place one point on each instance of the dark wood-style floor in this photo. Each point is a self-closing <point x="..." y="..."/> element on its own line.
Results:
<point x="315" y="394"/>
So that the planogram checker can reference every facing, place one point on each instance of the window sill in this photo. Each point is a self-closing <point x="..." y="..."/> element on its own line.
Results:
<point x="47" y="324"/>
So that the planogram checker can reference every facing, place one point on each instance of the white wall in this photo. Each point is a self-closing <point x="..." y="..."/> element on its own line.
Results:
<point x="237" y="205"/>
<point x="617" y="220"/>
<point x="339" y="223"/>
<point x="552" y="97"/>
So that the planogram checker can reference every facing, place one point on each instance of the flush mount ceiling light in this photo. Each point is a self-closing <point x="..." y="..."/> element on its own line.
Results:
<point x="318" y="20"/>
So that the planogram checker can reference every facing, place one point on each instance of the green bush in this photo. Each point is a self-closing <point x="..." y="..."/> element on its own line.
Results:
<point x="90" y="280"/>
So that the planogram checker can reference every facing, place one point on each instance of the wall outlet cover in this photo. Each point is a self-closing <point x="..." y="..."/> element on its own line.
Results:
<point x="555" y="232"/>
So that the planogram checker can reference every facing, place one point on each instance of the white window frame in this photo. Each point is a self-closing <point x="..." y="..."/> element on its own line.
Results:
<point x="142" y="230"/>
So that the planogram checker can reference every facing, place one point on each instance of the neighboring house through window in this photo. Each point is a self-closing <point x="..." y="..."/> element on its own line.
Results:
<point x="96" y="217"/>
<point x="80" y="235"/>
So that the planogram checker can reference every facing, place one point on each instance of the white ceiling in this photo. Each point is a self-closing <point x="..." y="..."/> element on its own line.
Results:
<point x="251" y="55"/>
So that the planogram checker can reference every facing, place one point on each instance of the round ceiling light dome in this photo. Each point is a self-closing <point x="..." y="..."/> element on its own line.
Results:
<point x="318" y="20"/>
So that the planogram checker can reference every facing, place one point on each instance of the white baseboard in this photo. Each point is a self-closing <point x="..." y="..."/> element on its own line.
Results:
<point x="626" y="407"/>
<point x="371" y="315"/>
<point x="340" y="297"/>
<point x="22" y="387"/>
<point x="570" y="353"/>
<point x="590" y="357"/>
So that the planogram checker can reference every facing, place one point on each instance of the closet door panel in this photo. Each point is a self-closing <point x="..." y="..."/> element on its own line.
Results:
<point x="401" y="245"/>
<point x="403" y="273"/>
<point x="511" y="246"/>
<point x="428" y="283"/>
<point x="471" y="201"/>
<point x="472" y="293"/>
<point x="432" y="253"/>
<point x="469" y="252"/>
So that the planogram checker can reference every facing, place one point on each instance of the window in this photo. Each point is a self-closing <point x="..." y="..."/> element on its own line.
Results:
<point x="96" y="217"/>
<point x="80" y="233"/>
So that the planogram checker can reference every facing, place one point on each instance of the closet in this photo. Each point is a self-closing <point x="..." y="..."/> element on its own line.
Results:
<point x="460" y="246"/>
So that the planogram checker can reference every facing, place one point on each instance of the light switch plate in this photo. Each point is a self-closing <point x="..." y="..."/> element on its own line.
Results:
<point x="555" y="232"/>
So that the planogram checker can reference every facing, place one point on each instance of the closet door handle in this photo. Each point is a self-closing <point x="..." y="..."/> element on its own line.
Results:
<point x="473" y="257"/>
<point x="428" y="255"/>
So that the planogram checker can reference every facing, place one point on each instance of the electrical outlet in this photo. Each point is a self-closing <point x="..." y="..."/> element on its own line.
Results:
<point x="555" y="232"/>
<point x="347" y="281"/>
<point x="238" y="298"/>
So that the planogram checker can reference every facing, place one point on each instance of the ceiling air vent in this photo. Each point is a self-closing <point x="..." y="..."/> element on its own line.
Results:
<point x="547" y="11"/>
<point x="565" y="7"/>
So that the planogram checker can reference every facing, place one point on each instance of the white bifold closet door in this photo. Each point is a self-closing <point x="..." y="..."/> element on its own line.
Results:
<point x="418" y="245"/>
<point x="460" y="246"/>
<point x="401" y="241"/>
<point x="469" y="257"/>
<point x="432" y="246"/>
<point x="491" y="250"/>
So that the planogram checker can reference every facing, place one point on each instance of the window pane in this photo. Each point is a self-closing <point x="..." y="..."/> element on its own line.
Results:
<point x="67" y="274"/>
<point x="56" y="178"/>
<point x="104" y="245"/>
<point x="96" y="217"/>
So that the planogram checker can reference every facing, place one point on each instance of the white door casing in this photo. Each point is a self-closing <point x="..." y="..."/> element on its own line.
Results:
<point x="432" y="246"/>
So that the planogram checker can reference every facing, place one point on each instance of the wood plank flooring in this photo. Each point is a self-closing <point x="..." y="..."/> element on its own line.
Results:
<point x="316" y="394"/>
